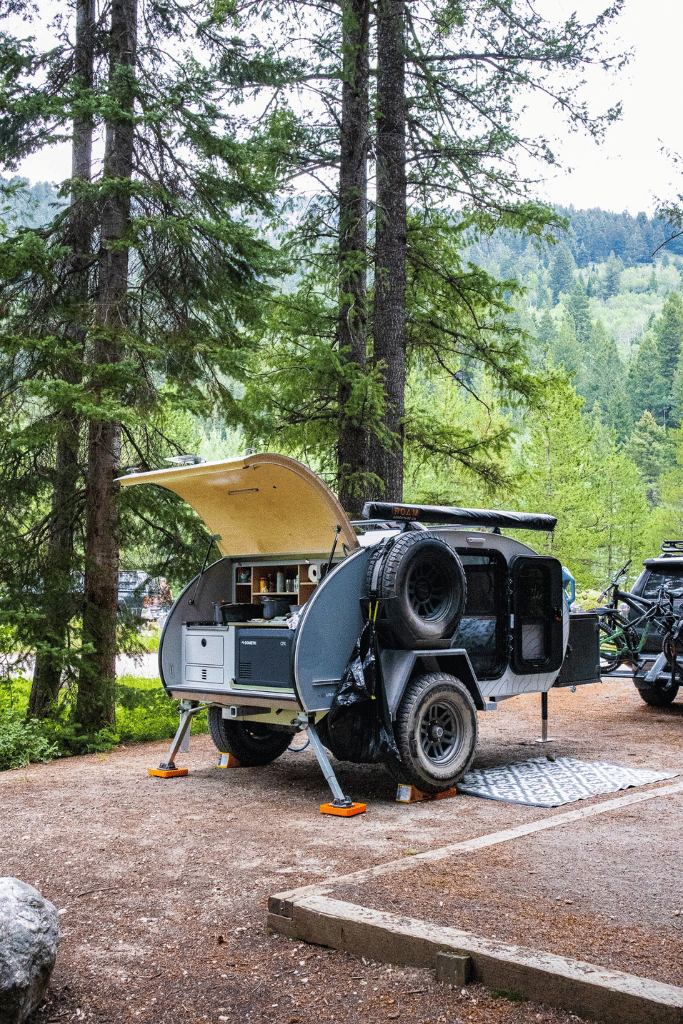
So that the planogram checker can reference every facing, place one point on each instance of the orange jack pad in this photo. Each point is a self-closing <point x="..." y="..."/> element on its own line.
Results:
<point x="167" y="773"/>
<point x="343" y="812"/>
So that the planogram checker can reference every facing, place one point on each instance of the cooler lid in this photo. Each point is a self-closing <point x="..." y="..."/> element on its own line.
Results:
<point x="259" y="505"/>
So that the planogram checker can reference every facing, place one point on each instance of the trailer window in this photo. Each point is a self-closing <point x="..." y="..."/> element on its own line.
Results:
<point x="481" y="630"/>
<point x="533" y="600"/>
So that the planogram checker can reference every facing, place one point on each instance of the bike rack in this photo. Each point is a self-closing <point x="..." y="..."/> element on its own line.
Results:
<point x="656" y="668"/>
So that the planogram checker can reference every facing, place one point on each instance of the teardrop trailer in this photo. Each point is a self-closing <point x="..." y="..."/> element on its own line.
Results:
<point x="402" y="627"/>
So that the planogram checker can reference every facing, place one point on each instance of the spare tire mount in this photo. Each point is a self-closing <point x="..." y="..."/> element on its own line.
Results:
<point x="420" y="582"/>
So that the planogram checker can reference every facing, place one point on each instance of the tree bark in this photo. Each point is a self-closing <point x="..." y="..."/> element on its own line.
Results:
<point x="58" y="579"/>
<point x="96" y="689"/>
<point x="389" y="321"/>
<point x="352" y="447"/>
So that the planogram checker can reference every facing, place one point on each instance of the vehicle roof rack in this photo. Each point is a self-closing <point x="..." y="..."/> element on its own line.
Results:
<point x="672" y="547"/>
<point x="448" y="516"/>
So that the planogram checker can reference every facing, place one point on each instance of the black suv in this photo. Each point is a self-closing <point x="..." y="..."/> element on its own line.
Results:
<point x="135" y="588"/>
<point x="665" y="570"/>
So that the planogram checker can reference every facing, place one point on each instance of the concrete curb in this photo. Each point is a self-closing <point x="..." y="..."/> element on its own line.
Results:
<point x="458" y="956"/>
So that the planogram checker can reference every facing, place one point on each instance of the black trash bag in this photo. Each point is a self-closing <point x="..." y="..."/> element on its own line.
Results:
<point x="358" y="727"/>
<point x="359" y="682"/>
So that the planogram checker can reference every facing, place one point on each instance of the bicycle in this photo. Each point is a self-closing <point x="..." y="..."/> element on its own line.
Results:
<point x="622" y="639"/>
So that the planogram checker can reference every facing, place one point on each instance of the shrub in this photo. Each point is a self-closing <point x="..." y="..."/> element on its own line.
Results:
<point x="143" y="713"/>
<point x="22" y="742"/>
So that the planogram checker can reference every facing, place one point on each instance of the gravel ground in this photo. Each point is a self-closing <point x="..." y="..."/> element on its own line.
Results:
<point x="163" y="884"/>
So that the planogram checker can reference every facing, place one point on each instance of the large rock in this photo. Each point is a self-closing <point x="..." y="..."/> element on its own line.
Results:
<point x="29" y="936"/>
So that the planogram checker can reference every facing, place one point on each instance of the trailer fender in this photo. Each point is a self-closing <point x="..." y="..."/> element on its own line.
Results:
<point x="399" y="667"/>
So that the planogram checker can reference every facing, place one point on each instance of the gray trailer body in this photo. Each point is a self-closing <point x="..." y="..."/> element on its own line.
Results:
<point x="277" y="675"/>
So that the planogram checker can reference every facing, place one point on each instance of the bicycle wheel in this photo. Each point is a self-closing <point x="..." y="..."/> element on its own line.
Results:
<point x="617" y="643"/>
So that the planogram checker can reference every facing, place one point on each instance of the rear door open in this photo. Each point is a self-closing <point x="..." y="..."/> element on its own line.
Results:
<point x="535" y="602"/>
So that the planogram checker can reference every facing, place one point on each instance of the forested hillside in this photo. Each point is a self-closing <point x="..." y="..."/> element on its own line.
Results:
<point x="602" y="317"/>
<point x="30" y="206"/>
<point x="603" y="310"/>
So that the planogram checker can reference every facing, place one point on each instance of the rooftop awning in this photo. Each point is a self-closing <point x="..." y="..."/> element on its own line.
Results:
<point x="458" y="516"/>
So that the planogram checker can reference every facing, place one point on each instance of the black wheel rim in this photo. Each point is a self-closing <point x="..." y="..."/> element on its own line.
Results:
<point x="428" y="590"/>
<point x="440" y="732"/>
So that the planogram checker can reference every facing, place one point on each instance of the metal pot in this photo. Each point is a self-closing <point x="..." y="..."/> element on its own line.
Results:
<point x="274" y="607"/>
<point x="223" y="613"/>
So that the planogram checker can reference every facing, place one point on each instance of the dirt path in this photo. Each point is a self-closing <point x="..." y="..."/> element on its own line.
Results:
<point x="163" y="884"/>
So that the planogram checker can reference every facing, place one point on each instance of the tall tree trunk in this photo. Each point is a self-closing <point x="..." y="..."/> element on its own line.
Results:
<point x="58" y="579"/>
<point x="389" y="321"/>
<point x="96" y="689"/>
<point x="352" y="447"/>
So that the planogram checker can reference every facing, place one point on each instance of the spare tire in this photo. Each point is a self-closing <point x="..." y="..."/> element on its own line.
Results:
<point x="421" y="584"/>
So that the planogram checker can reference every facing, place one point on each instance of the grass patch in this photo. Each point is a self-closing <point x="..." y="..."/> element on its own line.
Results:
<point x="149" y="639"/>
<point x="143" y="713"/>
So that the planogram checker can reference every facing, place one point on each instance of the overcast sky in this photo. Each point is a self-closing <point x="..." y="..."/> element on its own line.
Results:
<point x="626" y="172"/>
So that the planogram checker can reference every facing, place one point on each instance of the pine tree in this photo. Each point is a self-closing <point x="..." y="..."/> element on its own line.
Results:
<point x="578" y="308"/>
<point x="602" y="372"/>
<point x="647" y="386"/>
<point x="545" y="330"/>
<point x="156" y="314"/>
<point x="669" y="334"/>
<point x="391" y="231"/>
<point x="52" y="647"/>
<point x="351" y="341"/>
<point x="461" y="143"/>
<point x="613" y="271"/>
<point x="96" y="685"/>
<point x="652" y="452"/>
<point x="621" y="494"/>
<point x="565" y="349"/>
<point x="562" y="271"/>
<point x="559" y="461"/>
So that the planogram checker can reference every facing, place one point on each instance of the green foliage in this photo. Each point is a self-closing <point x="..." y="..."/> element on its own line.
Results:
<point x="651" y="450"/>
<point x="669" y="334"/>
<point x="445" y="417"/>
<point x="22" y="742"/>
<point x="562" y="270"/>
<point x="143" y="714"/>
<point x="190" y="291"/>
<point x="612" y="276"/>
<point x="578" y="308"/>
<point x="647" y="385"/>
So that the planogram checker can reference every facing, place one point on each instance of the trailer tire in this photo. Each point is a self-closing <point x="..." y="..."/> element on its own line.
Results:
<point x="436" y="733"/>
<point x="252" y="743"/>
<point x="421" y="584"/>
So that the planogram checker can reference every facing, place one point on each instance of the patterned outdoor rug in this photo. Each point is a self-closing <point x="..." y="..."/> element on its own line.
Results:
<point x="544" y="783"/>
